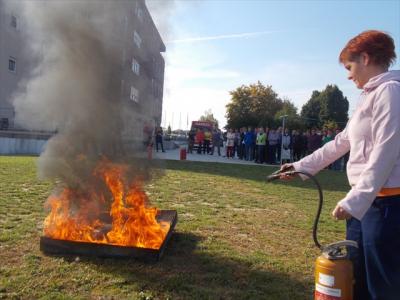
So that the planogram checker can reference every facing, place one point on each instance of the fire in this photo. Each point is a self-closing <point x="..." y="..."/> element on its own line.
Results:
<point x="79" y="216"/>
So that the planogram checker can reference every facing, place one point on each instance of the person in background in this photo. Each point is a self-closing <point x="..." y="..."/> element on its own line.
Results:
<point x="191" y="138"/>
<point x="272" y="144"/>
<point x="279" y="145"/>
<point x="199" y="139"/>
<point x="216" y="141"/>
<point x="314" y="141"/>
<point x="207" y="141"/>
<point x="297" y="144"/>
<point x="287" y="146"/>
<point x="372" y="135"/>
<point x="230" y="143"/>
<point x="159" y="139"/>
<point x="248" y="142"/>
<point x="260" y="143"/>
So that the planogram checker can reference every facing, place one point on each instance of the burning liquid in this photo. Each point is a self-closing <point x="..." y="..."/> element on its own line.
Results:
<point x="78" y="216"/>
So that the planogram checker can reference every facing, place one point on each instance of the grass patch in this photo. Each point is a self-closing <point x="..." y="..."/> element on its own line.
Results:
<point x="237" y="237"/>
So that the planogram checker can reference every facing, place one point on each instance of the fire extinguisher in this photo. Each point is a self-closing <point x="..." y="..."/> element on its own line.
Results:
<point x="333" y="269"/>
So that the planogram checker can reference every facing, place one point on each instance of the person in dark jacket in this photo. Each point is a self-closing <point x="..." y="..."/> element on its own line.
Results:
<point x="314" y="141"/>
<point x="159" y="139"/>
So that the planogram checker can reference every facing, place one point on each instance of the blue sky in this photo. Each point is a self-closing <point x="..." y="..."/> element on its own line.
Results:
<point x="214" y="46"/>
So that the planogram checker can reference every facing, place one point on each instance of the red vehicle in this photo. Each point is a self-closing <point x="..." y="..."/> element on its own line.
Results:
<point x="204" y="126"/>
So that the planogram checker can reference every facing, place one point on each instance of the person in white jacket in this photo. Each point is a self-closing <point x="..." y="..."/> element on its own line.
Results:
<point x="372" y="135"/>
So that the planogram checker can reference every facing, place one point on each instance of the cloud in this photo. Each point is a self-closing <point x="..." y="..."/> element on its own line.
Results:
<point x="222" y="37"/>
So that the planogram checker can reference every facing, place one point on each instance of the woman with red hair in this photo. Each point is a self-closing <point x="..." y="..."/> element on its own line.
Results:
<point x="372" y="207"/>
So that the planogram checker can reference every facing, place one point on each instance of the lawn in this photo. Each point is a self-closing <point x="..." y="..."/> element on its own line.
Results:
<point x="237" y="237"/>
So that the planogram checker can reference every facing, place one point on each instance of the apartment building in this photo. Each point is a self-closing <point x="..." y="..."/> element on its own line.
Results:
<point x="143" y="64"/>
<point x="14" y="64"/>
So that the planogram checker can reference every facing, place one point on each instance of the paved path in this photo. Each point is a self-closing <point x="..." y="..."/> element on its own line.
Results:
<point x="174" y="155"/>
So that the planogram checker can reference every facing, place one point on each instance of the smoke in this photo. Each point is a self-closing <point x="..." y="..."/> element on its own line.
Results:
<point x="81" y="54"/>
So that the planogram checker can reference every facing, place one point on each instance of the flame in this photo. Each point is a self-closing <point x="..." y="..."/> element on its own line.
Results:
<point x="79" y="216"/>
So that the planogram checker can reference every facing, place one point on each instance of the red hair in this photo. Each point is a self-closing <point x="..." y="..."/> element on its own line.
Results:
<point x="378" y="45"/>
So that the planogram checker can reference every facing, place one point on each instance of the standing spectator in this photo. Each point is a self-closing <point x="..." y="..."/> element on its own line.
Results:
<point x="236" y="144"/>
<point x="260" y="144"/>
<point x="243" y="132"/>
<point x="266" y="151"/>
<point x="327" y="137"/>
<point x="297" y="145"/>
<point x="255" y="152"/>
<point x="159" y="139"/>
<point x="216" y="141"/>
<point x="207" y="141"/>
<point x="279" y="145"/>
<point x="287" y="145"/>
<point x="200" y="140"/>
<point x="192" y="135"/>
<point x="248" y="142"/>
<point x="313" y="141"/>
<point x="273" y="138"/>
<point x="230" y="142"/>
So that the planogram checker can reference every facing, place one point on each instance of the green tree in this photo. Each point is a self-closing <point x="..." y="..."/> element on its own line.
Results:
<point x="334" y="107"/>
<point x="209" y="116"/>
<point x="325" y="106"/>
<point x="252" y="105"/>
<point x="310" y="111"/>
<point x="289" y="110"/>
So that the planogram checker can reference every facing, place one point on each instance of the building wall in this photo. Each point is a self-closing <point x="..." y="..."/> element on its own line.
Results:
<point x="11" y="47"/>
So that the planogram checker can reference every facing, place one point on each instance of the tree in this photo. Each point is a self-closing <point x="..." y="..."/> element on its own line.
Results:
<point x="169" y="129"/>
<point x="290" y="110"/>
<point x="334" y="107"/>
<point x="253" y="105"/>
<point x="209" y="116"/>
<point x="310" y="111"/>
<point x="326" y="106"/>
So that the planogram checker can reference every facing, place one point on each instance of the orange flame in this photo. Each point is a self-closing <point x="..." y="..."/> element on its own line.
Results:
<point x="76" y="216"/>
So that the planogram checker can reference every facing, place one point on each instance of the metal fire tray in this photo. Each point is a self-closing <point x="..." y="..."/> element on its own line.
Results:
<point x="65" y="247"/>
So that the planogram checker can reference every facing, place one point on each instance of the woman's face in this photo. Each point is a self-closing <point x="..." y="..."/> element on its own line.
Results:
<point x="357" y="71"/>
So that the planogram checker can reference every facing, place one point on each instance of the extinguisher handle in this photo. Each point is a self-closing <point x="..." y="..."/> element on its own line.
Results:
<point x="341" y="244"/>
<point x="334" y="250"/>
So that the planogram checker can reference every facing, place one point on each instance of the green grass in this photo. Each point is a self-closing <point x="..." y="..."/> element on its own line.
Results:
<point x="237" y="237"/>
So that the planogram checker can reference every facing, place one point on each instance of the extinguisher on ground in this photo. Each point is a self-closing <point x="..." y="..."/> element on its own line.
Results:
<point x="182" y="153"/>
<point x="333" y="269"/>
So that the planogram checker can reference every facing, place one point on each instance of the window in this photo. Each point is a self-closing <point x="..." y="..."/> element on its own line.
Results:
<point x="134" y="94"/>
<point x="4" y="124"/>
<point x="139" y="13"/>
<point x="13" y="21"/>
<point x="135" y="66"/>
<point x="137" y="39"/>
<point x="12" y="64"/>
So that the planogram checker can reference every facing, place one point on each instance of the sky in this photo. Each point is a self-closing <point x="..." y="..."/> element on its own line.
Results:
<point x="215" y="46"/>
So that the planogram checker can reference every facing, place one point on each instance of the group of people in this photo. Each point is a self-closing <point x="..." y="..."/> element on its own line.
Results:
<point x="263" y="145"/>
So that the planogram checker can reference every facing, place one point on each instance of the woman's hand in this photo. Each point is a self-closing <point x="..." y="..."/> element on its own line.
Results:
<point x="286" y="168"/>
<point x="340" y="214"/>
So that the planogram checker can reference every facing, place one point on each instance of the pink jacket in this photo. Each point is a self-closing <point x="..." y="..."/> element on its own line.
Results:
<point x="372" y="136"/>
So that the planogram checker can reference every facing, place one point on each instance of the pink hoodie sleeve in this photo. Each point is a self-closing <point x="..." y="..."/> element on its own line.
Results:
<point x="385" y="153"/>
<point x="325" y="155"/>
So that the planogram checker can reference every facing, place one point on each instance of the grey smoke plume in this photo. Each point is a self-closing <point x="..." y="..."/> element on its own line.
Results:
<point x="76" y="88"/>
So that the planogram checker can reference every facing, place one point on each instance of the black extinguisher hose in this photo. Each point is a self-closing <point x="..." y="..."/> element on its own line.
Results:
<point x="278" y="175"/>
